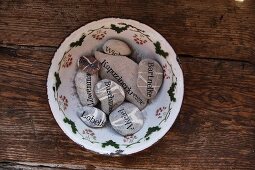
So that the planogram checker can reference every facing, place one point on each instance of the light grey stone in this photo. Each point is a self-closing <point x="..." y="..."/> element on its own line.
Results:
<point x="127" y="119"/>
<point x="150" y="77"/>
<point x="116" y="47"/>
<point x="93" y="117"/>
<point x="123" y="71"/>
<point x="85" y="83"/>
<point x="110" y="94"/>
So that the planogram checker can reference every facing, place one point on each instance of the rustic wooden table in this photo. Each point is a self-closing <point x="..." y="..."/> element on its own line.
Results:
<point x="215" y="41"/>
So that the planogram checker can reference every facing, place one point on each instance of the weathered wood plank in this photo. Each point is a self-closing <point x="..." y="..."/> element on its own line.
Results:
<point x="24" y="166"/>
<point x="215" y="128"/>
<point x="216" y="29"/>
<point x="44" y="166"/>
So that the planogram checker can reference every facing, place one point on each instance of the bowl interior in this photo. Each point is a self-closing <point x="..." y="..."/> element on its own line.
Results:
<point x="159" y="114"/>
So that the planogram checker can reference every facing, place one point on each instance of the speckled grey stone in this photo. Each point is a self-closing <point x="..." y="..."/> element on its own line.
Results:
<point x="84" y="83"/>
<point x="93" y="117"/>
<point x="110" y="94"/>
<point x="150" y="77"/>
<point x="116" y="47"/>
<point x="127" y="119"/>
<point x="123" y="71"/>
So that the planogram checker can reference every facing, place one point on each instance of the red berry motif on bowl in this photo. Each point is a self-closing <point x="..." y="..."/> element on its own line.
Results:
<point x="166" y="76"/>
<point x="140" y="39"/>
<point x="99" y="34"/>
<point x="63" y="103"/>
<point x="89" y="134"/>
<point x="67" y="61"/>
<point x="160" y="112"/>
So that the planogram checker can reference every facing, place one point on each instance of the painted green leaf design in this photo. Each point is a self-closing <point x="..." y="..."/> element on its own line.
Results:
<point x="70" y="122"/>
<point x="58" y="81"/>
<point x="79" y="42"/>
<point x="110" y="143"/>
<point x="159" y="50"/>
<point x="171" y="92"/>
<point x="119" y="29"/>
<point x="150" y="131"/>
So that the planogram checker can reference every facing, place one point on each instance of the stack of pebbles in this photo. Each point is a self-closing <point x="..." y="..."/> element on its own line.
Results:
<point x="122" y="86"/>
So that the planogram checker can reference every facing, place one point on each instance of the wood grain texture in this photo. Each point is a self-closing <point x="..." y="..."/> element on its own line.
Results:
<point x="215" y="128"/>
<point x="211" y="29"/>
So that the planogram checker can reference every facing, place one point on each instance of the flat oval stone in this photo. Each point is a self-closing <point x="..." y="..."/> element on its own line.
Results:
<point x="93" y="117"/>
<point x="85" y="83"/>
<point x="116" y="47"/>
<point x="127" y="119"/>
<point x="89" y="64"/>
<point x="150" y="77"/>
<point x="110" y="94"/>
<point x="123" y="71"/>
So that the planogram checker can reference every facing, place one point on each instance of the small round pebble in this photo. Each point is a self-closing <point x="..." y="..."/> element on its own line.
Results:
<point x="85" y="83"/>
<point x="116" y="47"/>
<point x="110" y="94"/>
<point x="89" y="64"/>
<point x="127" y="119"/>
<point x="150" y="77"/>
<point x="93" y="117"/>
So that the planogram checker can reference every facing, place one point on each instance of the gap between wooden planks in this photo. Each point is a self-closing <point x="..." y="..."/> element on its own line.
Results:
<point x="220" y="28"/>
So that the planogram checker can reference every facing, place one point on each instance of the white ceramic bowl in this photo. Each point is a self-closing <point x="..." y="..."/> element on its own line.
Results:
<point x="159" y="114"/>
